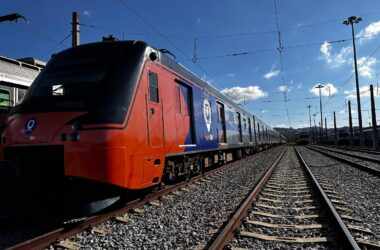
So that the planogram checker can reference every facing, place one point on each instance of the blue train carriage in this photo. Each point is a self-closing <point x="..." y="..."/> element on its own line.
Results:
<point x="221" y="130"/>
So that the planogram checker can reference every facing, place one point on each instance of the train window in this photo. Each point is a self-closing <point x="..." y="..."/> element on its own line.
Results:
<point x="20" y="95"/>
<point x="5" y="98"/>
<point x="245" y="124"/>
<point x="153" y="87"/>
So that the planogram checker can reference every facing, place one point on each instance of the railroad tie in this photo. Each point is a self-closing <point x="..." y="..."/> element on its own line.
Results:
<point x="347" y="217"/>
<point x="284" y="239"/>
<point x="359" y="229"/>
<point x="285" y="226"/>
<point x="68" y="244"/>
<point x="123" y="218"/>
<point x="299" y="217"/>
<point x="369" y="243"/>
<point x="293" y="208"/>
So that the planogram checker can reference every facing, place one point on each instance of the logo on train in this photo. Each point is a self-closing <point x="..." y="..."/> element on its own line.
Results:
<point x="207" y="114"/>
<point x="30" y="125"/>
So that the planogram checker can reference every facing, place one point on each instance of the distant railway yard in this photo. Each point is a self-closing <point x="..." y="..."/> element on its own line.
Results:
<point x="282" y="198"/>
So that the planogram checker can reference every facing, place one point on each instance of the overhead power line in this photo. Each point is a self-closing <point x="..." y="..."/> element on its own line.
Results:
<point x="158" y="32"/>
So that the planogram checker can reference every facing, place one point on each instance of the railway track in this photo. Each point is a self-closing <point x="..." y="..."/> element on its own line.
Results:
<point x="358" y="149"/>
<point x="60" y="236"/>
<point x="363" y="162"/>
<point x="293" y="208"/>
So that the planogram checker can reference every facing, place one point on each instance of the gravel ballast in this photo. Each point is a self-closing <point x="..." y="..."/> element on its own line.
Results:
<point x="186" y="219"/>
<point x="360" y="189"/>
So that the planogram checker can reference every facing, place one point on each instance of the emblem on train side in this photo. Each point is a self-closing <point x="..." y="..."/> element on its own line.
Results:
<point x="30" y="125"/>
<point x="207" y="114"/>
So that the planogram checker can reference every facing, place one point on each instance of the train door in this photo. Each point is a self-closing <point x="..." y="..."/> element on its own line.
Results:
<point x="258" y="132"/>
<point x="250" y="129"/>
<point x="222" y="123"/>
<point x="154" y="110"/>
<point x="185" y="119"/>
<point x="239" y="127"/>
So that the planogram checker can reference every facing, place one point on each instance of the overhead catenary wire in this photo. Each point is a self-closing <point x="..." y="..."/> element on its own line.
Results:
<point x="162" y="35"/>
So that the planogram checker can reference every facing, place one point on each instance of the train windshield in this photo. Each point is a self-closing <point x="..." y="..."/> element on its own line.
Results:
<point x="92" y="77"/>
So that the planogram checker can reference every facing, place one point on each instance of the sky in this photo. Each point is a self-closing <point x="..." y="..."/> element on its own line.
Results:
<point x="236" y="46"/>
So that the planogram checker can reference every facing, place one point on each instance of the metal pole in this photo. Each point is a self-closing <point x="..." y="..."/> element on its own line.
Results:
<point x="327" y="137"/>
<point x="375" y="138"/>
<point x="335" y="131"/>
<point x="310" y="134"/>
<point x="75" y="29"/>
<point x="357" y="87"/>
<point x="315" y="129"/>
<point x="350" y="123"/>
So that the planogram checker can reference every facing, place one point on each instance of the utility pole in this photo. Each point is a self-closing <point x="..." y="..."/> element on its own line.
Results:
<point x="375" y="140"/>
<point x="75" y="32"/>
<point x="315" y="129"/>
<point x="350" y="123"/>
<point x="320" y="86"/>
<point x="351" y="21"/>
<point x="195" y="54"/>
<point x="335" y="131"/>
<point x="310" y="134"/>
<point x="327" y="138"/>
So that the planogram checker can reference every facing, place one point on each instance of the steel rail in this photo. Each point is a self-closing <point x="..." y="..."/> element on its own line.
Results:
<point x="355" y="149"/>
<point x="358" y="165"/>
<point x="227" y="232"/>
<point x="45" y="240"/>
<point x="361" y="157"/>
<point x="348" y="240"/>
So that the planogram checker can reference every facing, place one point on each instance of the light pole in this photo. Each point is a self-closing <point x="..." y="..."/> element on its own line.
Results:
<point x="351" y="21"/>
<point x="310" y="134"/>
<point x="320" y="86"/>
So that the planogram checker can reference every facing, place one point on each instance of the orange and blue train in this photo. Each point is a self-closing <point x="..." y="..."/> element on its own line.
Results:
<point x="122" y="115"/>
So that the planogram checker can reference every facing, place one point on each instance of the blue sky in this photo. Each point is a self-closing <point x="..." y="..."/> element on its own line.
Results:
<point x="222" y="28"/>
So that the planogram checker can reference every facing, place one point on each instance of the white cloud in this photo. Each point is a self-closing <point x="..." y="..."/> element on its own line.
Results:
<point x="344" y="57"/>
<point x="365" y="66"/>
<point x="241" y="94"/>
<point x="87" y="13"/>
<point x="272" y="73"/>
<point x="231" y="74"/>
<point x="364" y="92"/>
<point x="370" y="32"/>
<point x="335" y="60"/>
<point x="283" y="88"/>
<point x="299" y="86"/>
<point x="328" y="90"/>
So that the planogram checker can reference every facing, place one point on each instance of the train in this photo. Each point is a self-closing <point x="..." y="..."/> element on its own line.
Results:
<point x="108" y="117"/>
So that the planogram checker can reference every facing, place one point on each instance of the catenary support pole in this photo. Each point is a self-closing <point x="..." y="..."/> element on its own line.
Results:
<point x="335" y="131"/>
<point x="375" y="138"/>
<point x="350" y="123"/>
<point x="75" y="29"/>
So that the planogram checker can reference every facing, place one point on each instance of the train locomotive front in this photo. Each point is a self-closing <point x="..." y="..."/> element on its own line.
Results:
<point x="70" y="140"/>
